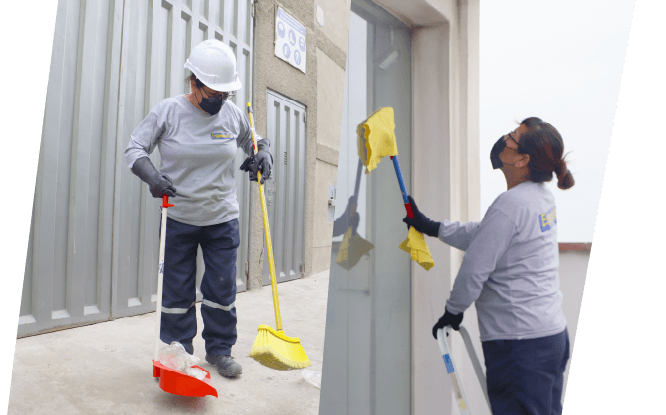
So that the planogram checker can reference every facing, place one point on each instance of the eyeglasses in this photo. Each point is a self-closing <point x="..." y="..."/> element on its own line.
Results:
<point x="510" y="135"/>
<point x="225" y="96"/>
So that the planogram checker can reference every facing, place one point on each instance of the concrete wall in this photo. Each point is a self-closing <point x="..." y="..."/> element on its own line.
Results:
<point x="322" y="86"/>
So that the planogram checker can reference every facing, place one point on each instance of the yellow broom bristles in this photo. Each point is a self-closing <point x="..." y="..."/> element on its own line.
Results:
<point x="277" y="351"/>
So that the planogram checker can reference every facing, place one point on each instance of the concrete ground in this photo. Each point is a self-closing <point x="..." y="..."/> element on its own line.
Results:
<point x="106" y="368"/>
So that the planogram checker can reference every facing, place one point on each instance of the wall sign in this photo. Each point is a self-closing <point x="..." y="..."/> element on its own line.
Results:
<point x="289" y="40"/>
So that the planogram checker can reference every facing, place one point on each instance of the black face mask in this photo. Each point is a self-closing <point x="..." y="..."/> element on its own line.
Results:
<point x="212" y="105"/>
<point x="498" y="147"/>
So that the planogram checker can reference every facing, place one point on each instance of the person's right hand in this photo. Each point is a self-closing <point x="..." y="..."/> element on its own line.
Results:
<point x="159" y="184"/>
<point x="420" y="222"/>
<point x="162" y="185"/>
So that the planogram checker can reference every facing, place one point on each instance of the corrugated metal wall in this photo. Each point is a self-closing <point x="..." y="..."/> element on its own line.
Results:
<point x="285" y="190"/>
<point x="94" y="236"/>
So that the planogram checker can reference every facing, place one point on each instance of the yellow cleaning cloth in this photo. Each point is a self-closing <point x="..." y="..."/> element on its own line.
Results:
<point x="379" y="138"/>
<point x="415" y="245"/>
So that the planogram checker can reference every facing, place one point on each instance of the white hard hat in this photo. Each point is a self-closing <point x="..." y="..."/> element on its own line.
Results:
<point x="214" y="64"/>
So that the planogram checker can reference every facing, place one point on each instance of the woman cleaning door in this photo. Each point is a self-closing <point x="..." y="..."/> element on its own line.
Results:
<point x="510" y="270"/>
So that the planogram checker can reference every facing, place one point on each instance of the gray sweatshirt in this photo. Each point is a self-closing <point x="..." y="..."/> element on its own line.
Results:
<point x="510" y="266"/>
<point x="197" y="153"/>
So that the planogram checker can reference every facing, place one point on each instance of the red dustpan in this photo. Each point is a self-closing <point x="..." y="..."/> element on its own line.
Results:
<point x="181" y="384"/>
<point x="173" y="381"/>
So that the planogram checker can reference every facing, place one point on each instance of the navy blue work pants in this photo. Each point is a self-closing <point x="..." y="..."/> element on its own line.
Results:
<point x="525" y="377"/>
<point x="219" y="244"/>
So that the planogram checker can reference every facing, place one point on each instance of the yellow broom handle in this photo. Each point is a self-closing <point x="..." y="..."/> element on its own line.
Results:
<point x="267" y="231"/>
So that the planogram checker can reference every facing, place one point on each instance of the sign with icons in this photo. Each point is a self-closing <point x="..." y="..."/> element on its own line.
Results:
<point x="289" y="40"/>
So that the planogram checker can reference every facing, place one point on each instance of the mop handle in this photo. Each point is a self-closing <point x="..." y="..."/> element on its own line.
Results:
<point x="267" y="231"/>
<point x="160" y="275"/>
<point x="408" y="206"/>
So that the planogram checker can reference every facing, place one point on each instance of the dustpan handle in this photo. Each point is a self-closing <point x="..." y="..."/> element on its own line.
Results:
<point x="401" y="182"/>
<point x="160" y="275"/>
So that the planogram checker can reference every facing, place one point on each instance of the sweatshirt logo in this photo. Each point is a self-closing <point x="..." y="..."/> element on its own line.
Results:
<point x="546" y="220"/>
<point x="221" y="136"/>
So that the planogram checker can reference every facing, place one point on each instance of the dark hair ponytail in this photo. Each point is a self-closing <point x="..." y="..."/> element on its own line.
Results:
<point x="545" y="147"/>
<point x="565" y="179"/>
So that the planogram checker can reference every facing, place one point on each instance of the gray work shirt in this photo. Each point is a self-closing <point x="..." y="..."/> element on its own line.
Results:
<point x="197" y="153"/>
<point x="510" y="266"/>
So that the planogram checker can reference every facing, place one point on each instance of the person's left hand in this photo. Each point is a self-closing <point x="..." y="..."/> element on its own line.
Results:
<point x="447" y="319"/>
<point x="262" y="161"/>
<point x="420" y="222"/>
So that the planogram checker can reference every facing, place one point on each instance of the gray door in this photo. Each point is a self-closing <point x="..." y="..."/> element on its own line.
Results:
<point x="285" y="190"/>
<point x="94" y="237"/>
<point x="367" y="361"/>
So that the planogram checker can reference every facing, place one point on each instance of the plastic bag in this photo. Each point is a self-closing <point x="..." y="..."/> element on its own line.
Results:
<point x="313" y="378"/>
<point x="175" y="357"/>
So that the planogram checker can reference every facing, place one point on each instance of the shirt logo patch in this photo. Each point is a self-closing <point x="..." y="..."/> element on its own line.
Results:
<point x="221" y="136"/>
<point x="546" y="220"/>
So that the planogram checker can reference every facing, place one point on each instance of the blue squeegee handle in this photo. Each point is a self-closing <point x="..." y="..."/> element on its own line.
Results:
<point x="401" y="182"/>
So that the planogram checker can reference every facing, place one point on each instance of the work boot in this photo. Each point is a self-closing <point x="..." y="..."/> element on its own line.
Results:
<point x="225" y="365"/>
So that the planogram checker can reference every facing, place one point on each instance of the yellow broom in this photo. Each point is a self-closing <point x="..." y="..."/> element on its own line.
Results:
<point x="272" y="348"/>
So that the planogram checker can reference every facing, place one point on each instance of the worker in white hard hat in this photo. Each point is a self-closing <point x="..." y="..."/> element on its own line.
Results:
<point x="197" y="135"/>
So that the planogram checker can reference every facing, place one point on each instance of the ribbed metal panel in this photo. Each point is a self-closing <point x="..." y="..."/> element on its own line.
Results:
<point x="68" y="267"/>
<point x="285" y="190"/>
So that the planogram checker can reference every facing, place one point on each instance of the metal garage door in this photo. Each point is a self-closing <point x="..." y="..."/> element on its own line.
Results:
<point x="93" y="244"/>
<point x="285" y="190"/>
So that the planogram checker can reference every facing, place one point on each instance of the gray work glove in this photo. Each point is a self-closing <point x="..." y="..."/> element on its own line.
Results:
<point x="262" y="161"/>
<point x="159" y="184"/>
<point x="420" y="222"/>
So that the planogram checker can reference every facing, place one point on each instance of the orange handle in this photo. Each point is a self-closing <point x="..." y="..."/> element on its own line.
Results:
<point x="165" y="201"/>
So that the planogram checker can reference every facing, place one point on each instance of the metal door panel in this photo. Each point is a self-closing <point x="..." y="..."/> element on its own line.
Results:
<point x="371" y="301"/>
<point x="285" y="190"/>
<point x="67" y="274"/>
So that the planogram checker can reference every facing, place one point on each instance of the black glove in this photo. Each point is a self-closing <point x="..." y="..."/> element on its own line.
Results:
<point x="159" y="184"/>
<point x="447" y="319"/>
<point x="262" y="161"/>
<point x="420" y="222"/>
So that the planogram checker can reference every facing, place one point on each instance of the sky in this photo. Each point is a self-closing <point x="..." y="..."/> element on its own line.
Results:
<point x="562" y="62"/>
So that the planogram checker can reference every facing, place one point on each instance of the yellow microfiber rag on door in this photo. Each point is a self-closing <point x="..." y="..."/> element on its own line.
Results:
<point x="415" y="245"/>
<point x="376" y="138"/>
